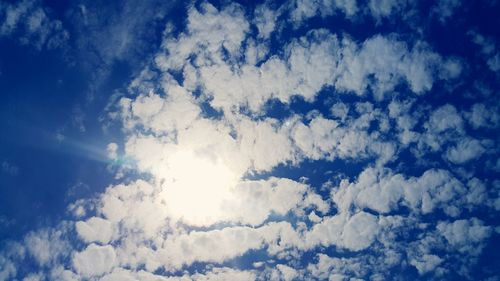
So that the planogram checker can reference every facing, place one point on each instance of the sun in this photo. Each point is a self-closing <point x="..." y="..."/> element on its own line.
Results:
<point x="196" y="188"/>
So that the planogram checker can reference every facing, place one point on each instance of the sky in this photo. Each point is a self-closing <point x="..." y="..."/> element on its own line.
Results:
<point x="249" y="140"/>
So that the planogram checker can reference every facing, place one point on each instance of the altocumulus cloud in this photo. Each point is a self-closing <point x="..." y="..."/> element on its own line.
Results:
<point x="29" y="22"/>
<point x="201" y="126"/>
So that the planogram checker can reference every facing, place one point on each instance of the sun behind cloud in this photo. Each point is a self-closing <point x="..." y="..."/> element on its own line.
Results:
<point x="196" y="187"/>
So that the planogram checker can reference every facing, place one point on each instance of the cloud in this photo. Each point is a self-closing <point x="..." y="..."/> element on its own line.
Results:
<point x="8" y="268"/>
<point x="285" y="273"/>
<point x="301" y="11"/>
<point x="116" y="32"/>
<point x="464" y="151"/>
<point x="9" y="168"/>
<point x="360" y="231"/>
<point x="108" y="34"/>
<point x="426" y="263"/>
<point x="32" y="25"/>
<point x="111" y="149"/>
<point x="265" y="20"/>
<point x="47" y="246"/>
<point x="217" y="245"/>
<point x="444" y="124"/>
<point x="312" y="62"/>
<point x="388" y="61"/>
<point x="482" y="115"/>
<point x="383" y="192"/>
<point x="95" y="230"/>
<point x="94" y="261"/>
<point x="488" y="49"/>
<point x="384" y="8"/>
<point x="465" y="235"/>
<point x="207" y="198"/>
<point x="445" y="9"/>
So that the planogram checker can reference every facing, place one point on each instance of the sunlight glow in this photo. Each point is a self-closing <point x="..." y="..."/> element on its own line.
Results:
<point x="197" y="187"/>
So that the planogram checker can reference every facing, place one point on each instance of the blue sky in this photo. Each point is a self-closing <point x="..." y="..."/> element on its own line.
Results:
<point x="249" y="140"/>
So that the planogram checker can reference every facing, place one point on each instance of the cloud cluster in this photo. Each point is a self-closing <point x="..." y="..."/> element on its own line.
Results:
<point x="198" y="122"/>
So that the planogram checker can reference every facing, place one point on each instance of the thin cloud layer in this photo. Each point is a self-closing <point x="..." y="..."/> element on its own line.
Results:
<point x="29" y="21"/>
<point x="208" y="200"/>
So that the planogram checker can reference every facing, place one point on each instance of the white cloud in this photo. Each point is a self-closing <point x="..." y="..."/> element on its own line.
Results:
<point x="354" y="233"/>
<point x="216" y="245"/>
<point x="208" y="196"/>
<point x="209" y="32"/>
<point x="225" y="274"/>
<point x="487" y="44"/>
<point x="135" y="206"/>
<point x="60" y="273"/>
<point x="161" y="115"/>
<point x="388" y="61"/>
<point x="265" y="20"/>
<point x="494" y="62"/>
<point x="141" y="211"/>
<point x="445" y="124"/>
<point x="328" y="139"/>
<point x="488" y="49"/>
<point x="444" y="9"/>
<point x="112" y="150"/>
<point x="286" y="273"/>
<point x="481" y="116"/>
<point x="335" y="268"/>
<point x="359" y="231"/>
<point x="257" y="200"/>
<point x="33" y="277"/>
<point x="301" y="10"/>
<point x="426" y="263"/>
<point x="94" y="261"/>
<point x="95" y="229"/>
<point x="445" y="118"/>
<point x="30" y="22"/>
<point x="307" y="65"/>
<point x="382" y="191"/>
<point x="384" y="8"/>
<point x="47" y="246"/>
<point x="340" y="110"/>
<point x="255" y="141"/>
<point x="467" y="236"/>
<point x="8" y="268"/>
<point x="465" y="151"/>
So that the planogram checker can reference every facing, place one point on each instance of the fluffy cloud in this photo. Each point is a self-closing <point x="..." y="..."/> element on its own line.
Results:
<point x="464" y="151"/>
<point x="301" y="10"/>
<point x="384" y="8"/>
<point x="426" y="263"/>
<point x="481" y="116"/>
<point x="94" y="260"/>
<point x="34" y="26"/>
<point x="445" y="118"/>
<point x="383" y="192"/>
<point x="95" y="230"/>
<point x="207" y="193"/>
<point x="465" y="235"/>
<point x="308" y="64"/>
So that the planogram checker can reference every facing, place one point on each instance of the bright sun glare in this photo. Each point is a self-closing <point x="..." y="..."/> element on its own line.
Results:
<point x="197" y="187"/>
